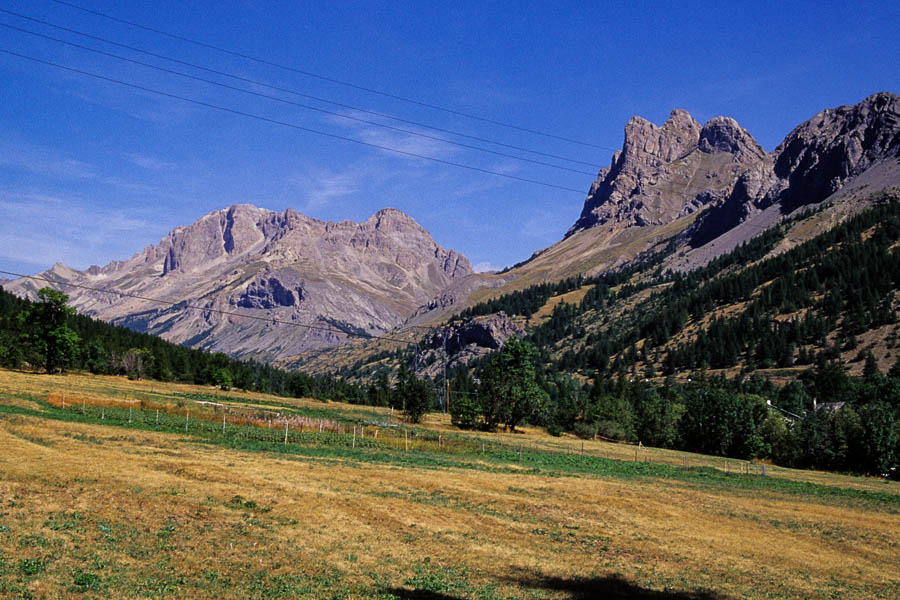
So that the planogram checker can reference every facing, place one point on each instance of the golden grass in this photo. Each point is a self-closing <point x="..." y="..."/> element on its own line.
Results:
<point x="544" y="312"/>
<point x="156" y="515"/>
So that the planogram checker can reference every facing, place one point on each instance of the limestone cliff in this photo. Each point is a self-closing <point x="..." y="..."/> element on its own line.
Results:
<point x="324" y="279"/>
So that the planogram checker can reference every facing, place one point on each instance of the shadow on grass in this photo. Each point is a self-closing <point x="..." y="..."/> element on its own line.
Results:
<point x="610" y="587"/>
<point x="588" y="588"/>
<point x="581" y="588"/>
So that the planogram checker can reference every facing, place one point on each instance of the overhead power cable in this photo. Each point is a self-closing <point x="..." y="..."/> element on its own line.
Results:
<point x="186" y="306"/>
<point x="285" y="90"/>
<point x="325" y="77"/>
<point x="290" y="102"/>
<point x="291" y="125"/>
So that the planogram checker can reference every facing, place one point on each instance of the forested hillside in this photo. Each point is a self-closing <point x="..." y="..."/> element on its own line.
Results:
<point x="742" y="310"/>
<point x="749" y="356"/>
<point x="49" y="336"/>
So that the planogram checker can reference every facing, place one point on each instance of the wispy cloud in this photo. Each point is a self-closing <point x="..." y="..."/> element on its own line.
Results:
<point x="544" y="225"/>
<point x="485" y="267"/>
<point x="41" y="229"/>
<point x="418" y="141"/>
<point x="42" y="161"/>
<point x="320" y="187"/>
<point x="49" y="163"/>
<point x="151" y="163"/>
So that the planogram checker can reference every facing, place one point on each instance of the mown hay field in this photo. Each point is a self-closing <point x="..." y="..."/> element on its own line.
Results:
<point x="93" y="508"/>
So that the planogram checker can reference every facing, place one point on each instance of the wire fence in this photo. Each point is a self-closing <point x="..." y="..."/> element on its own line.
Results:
<point x="247" y="423"/>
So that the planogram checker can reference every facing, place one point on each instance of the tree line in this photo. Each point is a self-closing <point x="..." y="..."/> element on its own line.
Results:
<point x="825" y="419"/>
<point x="568" y="375"/>
<point x="48" y="335"/>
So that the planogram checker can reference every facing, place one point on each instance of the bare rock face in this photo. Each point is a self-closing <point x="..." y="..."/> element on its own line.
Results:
<point x="467" y="340"/>
<point x="489" y="331"/>
<point x="812" y="163"/>
<point x="723" y="134"/>
<point x="663" y="173"/>
<point x="817" y="157"/>
<point x="270" y="291"/>
<point x="305" y="283"/>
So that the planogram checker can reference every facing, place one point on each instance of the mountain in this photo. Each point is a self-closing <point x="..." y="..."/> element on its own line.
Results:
<point x="663" y="173"/>
<point x="680" y="195"/>
<point x="338" y="278"/>
<point x="710" y="188"/>
<point x="838" y="151"/>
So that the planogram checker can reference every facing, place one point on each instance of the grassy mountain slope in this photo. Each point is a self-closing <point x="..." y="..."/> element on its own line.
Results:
<point x="822" y="282"/>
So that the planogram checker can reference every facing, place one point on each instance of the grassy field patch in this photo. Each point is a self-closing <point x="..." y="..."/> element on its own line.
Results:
<point x="140" y="508"/>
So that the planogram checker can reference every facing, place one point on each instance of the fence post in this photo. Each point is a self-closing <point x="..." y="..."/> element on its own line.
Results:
<point x="102" y="413"/>
<point x="223" y="420"/>
<point x="157" y="416"/>
<point x="285" y="432"/>
<point x="187" y="416"/>
<point x="354" y="437"/>
<point x="405" y="436"/>
<point x="582" y="448"/>
<point x="129" y="414"/>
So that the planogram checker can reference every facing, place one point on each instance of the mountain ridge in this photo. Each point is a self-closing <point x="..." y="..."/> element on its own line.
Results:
<point x="697" y="190"/>
<point x="336" y="276"/>
<point x="679" y="180"/>
<point x="718" y="184"/>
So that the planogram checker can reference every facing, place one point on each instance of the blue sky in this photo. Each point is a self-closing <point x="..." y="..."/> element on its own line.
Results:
<point x="91" y="171"/>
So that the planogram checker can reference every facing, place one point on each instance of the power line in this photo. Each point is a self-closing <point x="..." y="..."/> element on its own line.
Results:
<point x="277" y="99"/>
<point x="326" y="78"/>
<point x="185" y="306"/>
<point x="291" y="125"/>
<point x="282" y="89"/>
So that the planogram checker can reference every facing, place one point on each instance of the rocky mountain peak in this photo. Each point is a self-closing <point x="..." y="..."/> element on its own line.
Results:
<point x="723" y="134"/>
<point x="327" y="278"/>
<point x="649" y="144"/>
<point x="843" y="141"/>
<point x="816" y="160"/>
<point x="667" y="172"/>
<point x="391" y="219"/>
<point x="662" y="172"/>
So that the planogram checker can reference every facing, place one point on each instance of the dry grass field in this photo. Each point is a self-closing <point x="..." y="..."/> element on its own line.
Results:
<point x="110" y="509"/>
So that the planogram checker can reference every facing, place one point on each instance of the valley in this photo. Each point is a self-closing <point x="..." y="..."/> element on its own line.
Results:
<point x="449" y="300"/>
<point x="107" y="507"/>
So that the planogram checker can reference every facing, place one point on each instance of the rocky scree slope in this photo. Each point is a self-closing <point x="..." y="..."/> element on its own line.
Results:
<point x="839" y="150"/>
<point x="339" y="278"/>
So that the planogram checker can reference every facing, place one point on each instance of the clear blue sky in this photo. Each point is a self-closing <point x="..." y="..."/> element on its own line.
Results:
<point x="91" y="171"/>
